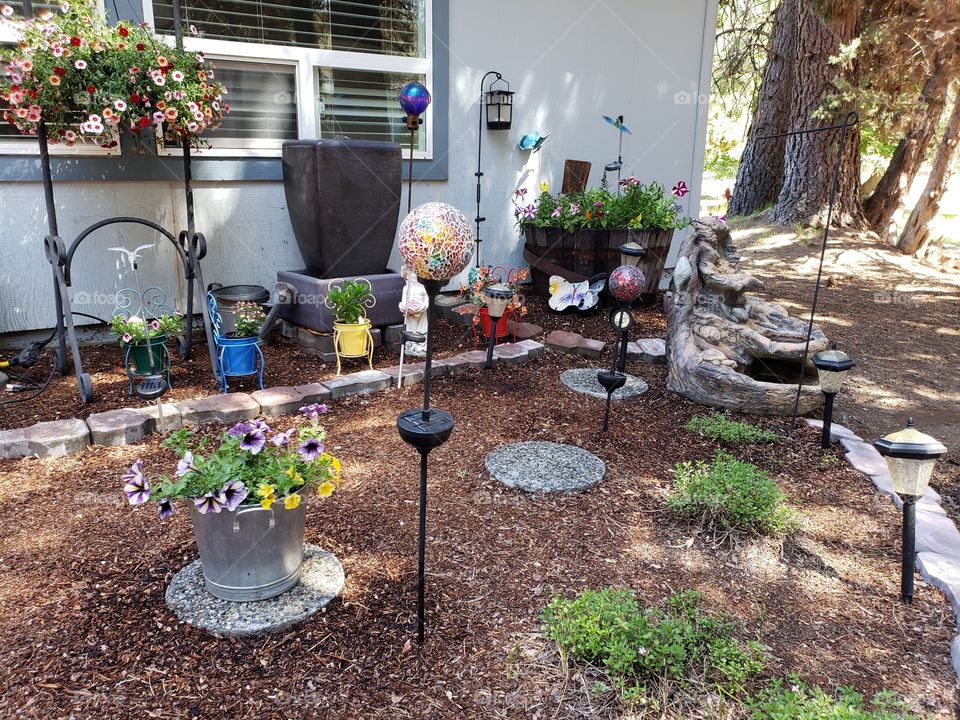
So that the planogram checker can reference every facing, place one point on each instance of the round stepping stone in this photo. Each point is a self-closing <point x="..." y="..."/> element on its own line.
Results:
<point x="321" y="580"/>
<point x="538" y="466"/>
<point x="584" y="380"/>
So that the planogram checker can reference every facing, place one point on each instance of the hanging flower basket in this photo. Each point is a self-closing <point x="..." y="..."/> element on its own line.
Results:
<point x="141" y="356"/>
<point x="88" y="82"/>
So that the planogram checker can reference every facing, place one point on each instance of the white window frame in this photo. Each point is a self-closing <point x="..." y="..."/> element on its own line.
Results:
<point x="306" y="60"/>
<point x="27" y="144"/>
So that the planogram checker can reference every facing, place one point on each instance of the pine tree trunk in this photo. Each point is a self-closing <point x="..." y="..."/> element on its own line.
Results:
<point x="887" y="198"/>
<point x="761" y="165"/>
<point x="916" y="233"/>
<point x="810" y="158"/>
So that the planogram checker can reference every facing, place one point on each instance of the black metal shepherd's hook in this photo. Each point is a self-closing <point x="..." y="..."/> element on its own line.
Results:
<point x="852" y="119"/>
<point x="190" y="245"/>
<point x="479" y="173"/>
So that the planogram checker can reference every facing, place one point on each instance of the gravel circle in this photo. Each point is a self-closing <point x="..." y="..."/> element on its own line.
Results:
<point x="584" y="380"/>
<point x="321" y="580"/>
<point x="545" y="467"/>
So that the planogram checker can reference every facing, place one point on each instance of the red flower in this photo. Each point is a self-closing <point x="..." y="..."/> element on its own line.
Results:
<point x="91" y="89"/>
<point x="61" y="132"/>
<point x="59" y="71"/>
<point x="32" y="93"/>
<point x="144" y="122"/>
<point x="75" y="41"/>
<point x="134" y="98"/>
<point x="123" y="31"/>
<point x="141" y="47"/>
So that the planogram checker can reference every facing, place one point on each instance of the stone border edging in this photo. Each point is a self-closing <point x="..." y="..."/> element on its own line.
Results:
<point x="122" y="426"/>
<point x="938" y="540"/>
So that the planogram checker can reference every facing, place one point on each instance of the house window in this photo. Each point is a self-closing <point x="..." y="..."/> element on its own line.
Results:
<point x="308" y="68"/>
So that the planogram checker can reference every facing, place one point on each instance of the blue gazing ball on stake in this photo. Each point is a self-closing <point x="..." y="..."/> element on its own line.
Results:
<point x="414" y="98"/>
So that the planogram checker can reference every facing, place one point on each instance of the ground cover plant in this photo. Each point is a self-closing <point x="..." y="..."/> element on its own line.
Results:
<point x="647" y="651"/>
<point x="793" y="700"/>
<point x="729" y="494"/>
<point x="719" y="426"/>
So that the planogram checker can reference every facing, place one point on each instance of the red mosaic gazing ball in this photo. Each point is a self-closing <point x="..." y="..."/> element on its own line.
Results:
<point x="626" y="282"/>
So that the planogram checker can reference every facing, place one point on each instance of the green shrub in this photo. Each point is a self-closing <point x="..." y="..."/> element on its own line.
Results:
<point x="798" y="702"/>
<point x="719" y="426"/>
<point x="730" y="494"/>
<point x="642" y="648"/>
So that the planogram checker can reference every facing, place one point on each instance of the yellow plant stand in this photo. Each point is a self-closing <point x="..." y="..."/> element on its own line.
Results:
<point x="353" y="340"/>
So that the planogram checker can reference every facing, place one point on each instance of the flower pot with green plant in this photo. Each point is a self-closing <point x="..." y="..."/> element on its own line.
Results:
<point x="349" y="302"/>
<point x="133" y="333"/>
<point x="247" y="499"/>
<point x="578" y="235"/>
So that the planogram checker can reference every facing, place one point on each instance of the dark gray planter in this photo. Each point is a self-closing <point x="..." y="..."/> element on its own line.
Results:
<point x="343" y="197"/>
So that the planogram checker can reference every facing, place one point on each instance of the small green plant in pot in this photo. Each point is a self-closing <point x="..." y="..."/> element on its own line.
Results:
<point x="133" y="332"/>
<point x="349" y="302"/>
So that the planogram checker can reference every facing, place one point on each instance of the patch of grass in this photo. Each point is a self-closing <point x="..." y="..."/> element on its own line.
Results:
<point x="643" y="652"/>
<point x="731" y="495"/>
<point x="719" y="426"/>
<point x="796" y="701"/>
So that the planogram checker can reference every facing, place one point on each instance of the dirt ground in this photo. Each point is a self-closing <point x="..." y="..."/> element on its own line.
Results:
<point x="898" y="318"/>
<point x="84" y="632"/>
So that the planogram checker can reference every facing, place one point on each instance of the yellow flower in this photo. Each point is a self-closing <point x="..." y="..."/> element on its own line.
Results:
<point x="291" y="501"/>
<point x="266" y="491"/>
<point x="326" y="489"/>
<point x="291" y="471"/>
<point x="544" y="187"/>
<point x="267" y="502"/>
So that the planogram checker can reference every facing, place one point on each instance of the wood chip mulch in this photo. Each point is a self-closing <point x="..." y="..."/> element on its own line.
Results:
<point x="286" y="364"/>
<point x="84" y="632"/>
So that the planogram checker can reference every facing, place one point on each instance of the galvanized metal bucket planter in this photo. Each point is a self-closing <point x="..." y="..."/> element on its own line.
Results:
<point x="251" y="553"/>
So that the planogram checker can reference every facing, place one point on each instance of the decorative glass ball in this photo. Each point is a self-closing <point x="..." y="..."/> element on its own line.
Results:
<point x="436" y="240"/>
<point x="414" y="98"/>
<point x="626" y="282"/>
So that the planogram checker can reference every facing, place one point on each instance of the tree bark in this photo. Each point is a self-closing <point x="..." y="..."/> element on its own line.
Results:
<point x="887" y="198"/>
<point x="810" y="158"/>
<point x="761" y="166"/>
<point x="916" y="233"/>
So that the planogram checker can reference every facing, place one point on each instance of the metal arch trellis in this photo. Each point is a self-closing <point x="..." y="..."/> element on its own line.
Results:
<point x="190" y="245"/>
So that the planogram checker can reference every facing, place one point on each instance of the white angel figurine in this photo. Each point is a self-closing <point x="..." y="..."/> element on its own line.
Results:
<point x="413" y="305"/>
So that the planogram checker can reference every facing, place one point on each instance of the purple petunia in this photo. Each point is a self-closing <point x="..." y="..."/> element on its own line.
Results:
<point x="185" y="464"/>
<point x="239" y="430"/>
<point x="233" y="493"/>
<point x="165" y="509"/>
<point x="283" y="439"/>
<point x="253" y="441"/>
<point x="135" y="484"/>
<point x="259" y="425"/>
<point x="209" y="503"/>
<point x="313" y="411"/>
<point x="310" y="449"/>
<point x="680" y="189"/>
<point x="529" y="212"/>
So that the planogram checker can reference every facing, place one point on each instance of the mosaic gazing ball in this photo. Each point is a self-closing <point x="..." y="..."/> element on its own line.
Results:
<point x="436" y="240"/>
<point x="626" y="282"/>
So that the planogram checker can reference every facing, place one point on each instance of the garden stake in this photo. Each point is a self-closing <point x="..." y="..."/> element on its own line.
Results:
<point x="850" y="121"/>
<point x="909" y="547"/>
<point x="425" y="429"/>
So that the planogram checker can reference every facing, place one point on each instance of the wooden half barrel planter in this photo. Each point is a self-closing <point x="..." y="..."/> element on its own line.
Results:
<point x="585" y="253"/>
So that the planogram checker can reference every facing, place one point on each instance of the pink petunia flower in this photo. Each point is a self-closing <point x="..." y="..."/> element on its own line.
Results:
<point x="680" y="189"/>
<point x="80" y="64"/>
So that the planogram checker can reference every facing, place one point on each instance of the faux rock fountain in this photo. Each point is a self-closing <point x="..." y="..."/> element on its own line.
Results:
<point x="727" y="347"/>
<point x="343" y="197"/>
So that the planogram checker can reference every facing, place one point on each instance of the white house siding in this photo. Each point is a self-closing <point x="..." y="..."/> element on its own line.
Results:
<point x="568" y="61"/>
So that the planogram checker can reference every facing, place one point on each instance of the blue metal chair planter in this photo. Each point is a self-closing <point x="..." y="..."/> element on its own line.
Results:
<point x="236" y="357"/>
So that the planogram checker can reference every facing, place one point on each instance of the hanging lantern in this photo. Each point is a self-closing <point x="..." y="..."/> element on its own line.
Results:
<point x="499" y="106"/>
